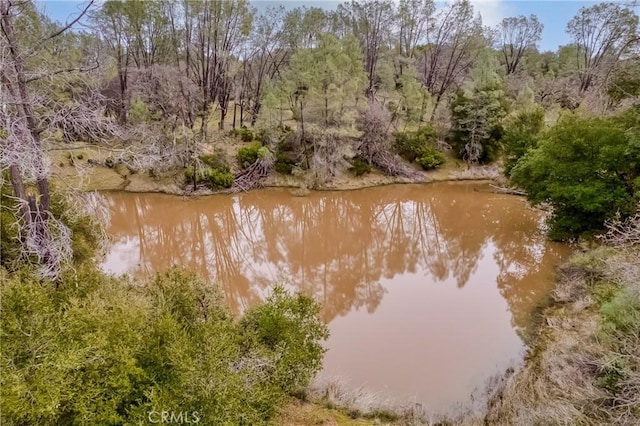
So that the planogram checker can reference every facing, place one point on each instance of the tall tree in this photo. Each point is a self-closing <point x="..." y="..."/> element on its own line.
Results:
<point x="371" y="22"/>
<point x="454" y="37"/>
<point x="267" y="54"/>
<point x="219" y="29"/>
<point x="516" y="35"/>
<point x="321" y="81"/>
<point x="149" y="26"/>
<point x="413" y="20"/>
<point x="477" y="112"/>
<point x="113" y="28"/>
<point x="602" y="33"/>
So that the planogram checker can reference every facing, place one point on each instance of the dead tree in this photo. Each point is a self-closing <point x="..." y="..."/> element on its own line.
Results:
<point x="22" y="152"/>
<point x="375" y="143"/>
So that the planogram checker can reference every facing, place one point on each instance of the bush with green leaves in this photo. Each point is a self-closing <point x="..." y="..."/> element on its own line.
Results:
<point x="430" y="159"/>
<point x="214" y="161"/>
<point x="285" y="163"/>
<point x="418" y="147"/>
<point x="521" y="133"/>
<point x="216" y="173"/>
<point x="243" y="133"/>
<point x="412" y="145"/>
<point x="214" y="178"/>
<point x="103" y="350"/>
<point x="249" y="154"/>
<point x="139" y="112"/>
<point x="218" y="178"/>
<point x="360" y="166"/>
<point x="587" y="169"/>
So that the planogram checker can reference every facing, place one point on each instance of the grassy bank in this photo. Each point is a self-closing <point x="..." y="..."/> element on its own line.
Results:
<point x="585" y="365"/>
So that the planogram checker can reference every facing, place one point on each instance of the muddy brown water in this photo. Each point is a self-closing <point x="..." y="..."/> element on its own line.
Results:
<point x="428" y="289"/>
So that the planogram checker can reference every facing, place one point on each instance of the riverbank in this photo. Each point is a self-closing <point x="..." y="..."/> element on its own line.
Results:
<point x="81" y="166"/>
<point x="585" y="365"/>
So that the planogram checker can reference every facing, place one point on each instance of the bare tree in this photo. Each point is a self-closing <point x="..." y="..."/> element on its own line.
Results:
<point x="219" y="28"/>
<point x="375" y="143"/>
<point x="414" y="18"/>
<point x="371" y="24"/>
<point x="602" y="33"/>
<point x="22" y="152"/>
<point x="267" y="55"/>
<point x="516" y="35"/>
<point x="452" y="42"/>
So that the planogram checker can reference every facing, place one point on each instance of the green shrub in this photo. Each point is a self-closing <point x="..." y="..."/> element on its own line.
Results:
<point x="290" y="327"/>
<point x="214" y="161"/>
<point x="139" y="112"/>
<point x="622" y="312"/>
<point x="98" y="350"/>
<point x="284" y="164"/>
<point x="411" y="145"/>
<point x="430" y="159"/>
<point x="214" y="178"/>
<point x="360" y="166"/>
<point x="585" y="168"/>
<point x="189" y="173"/>
<point x="248" y="155"/>
<point x="218" y="178"/>
<point x="521" y="133"/>
<point x="243" y="132"/>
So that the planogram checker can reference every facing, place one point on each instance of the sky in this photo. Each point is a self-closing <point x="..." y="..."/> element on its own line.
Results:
<point x="553" y="14"/>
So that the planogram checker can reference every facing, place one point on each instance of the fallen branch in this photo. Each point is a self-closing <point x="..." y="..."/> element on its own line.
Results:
<point x="511" y="191"/>
<point x="253" y="176"/>
<point x="393" y="166"/>
<point x="623" y="232"/>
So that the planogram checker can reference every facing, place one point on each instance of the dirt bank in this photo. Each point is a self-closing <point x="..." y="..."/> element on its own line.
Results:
<point x="79" y="166"/>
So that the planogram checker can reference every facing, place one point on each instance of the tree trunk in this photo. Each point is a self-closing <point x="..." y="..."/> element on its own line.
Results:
<point x="25" y="110"/>
<point x="235" y="107"/>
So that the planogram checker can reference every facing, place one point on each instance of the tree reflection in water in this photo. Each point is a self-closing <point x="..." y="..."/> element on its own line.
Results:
<point x="433" y="283"/>
<point x="335" y="246"/>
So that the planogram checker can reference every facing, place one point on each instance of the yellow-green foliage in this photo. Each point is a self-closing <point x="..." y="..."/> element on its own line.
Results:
<point x="98" y="350"/>
<point x="215" y="175"/>
<point x="243" y="133"/>
<point x="249" y="154"/>
<point x="418" y="146"/>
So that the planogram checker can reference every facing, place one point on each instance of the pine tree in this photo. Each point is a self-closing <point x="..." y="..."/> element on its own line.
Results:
<point x="477" y="112"/>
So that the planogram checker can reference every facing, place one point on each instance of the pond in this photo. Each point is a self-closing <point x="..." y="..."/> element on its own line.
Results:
<point x="427" y="289"/>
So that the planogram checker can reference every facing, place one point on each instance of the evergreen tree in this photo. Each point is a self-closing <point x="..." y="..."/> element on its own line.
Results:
<point x="477" y="111"/>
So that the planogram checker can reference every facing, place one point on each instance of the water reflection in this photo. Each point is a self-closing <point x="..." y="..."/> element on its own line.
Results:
<point x="354" y="252"/>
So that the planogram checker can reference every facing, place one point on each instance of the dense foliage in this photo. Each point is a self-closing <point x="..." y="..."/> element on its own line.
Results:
<point x="521" y="133"/>
<point x="476" y="128"/>
<point x="100" y="350"/>
<point x="214" y="172"/>
<point x="360" y="166"/>
<point x="418" y="146"/>
<point x="249" y="154"/>
<point x="587" y="169"/>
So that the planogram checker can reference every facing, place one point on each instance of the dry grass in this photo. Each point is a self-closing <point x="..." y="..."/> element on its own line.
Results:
<point x="580" y="372"/>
